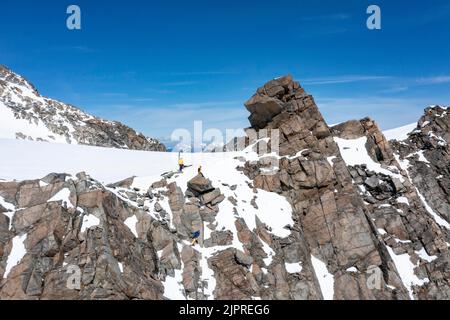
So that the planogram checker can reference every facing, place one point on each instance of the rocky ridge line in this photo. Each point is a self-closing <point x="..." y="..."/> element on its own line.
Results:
<point x="44" y="119"/>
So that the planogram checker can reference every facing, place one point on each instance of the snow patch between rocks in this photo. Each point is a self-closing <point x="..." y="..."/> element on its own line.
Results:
<point x="405" y="269"/>
<point x="425" y="256"/>
<point x="64" y="196"/>
<point x="354" y="153"/>
<point x="89" y="221"/>
<point x="293" y="267"/>
<point x="440" y="221"/>
<point x="173" y="288"/>
<point x="400" y="133"/>
<point x="18" y="251"/>
<point x="326" y="279"/>
<point x="131" y="224"/>
<point x="403" y="200"/>
<point x="11" y="210"/>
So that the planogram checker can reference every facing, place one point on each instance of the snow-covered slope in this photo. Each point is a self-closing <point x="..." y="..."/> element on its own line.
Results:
<point x="29" y="159"/>
<point x="400" y="133"/>
<point x="26" y="115"/>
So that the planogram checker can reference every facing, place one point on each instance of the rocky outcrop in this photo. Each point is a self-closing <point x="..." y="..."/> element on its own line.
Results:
<point x="377" y="146"/>
<point x="199" y="185"/>
<point x="330" y="216"/>
<point x="43" y="119"/>
<point x="67" y="239"/>
<point x="425" y="154"/>
<point x="337" y="213"/>
<point x="399" y="211"/>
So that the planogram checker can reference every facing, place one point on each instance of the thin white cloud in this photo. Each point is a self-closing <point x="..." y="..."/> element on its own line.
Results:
<point x="358" y="102"/>
<point x="388" y="112"/>
<point x="396" y="89"/>
<point x="396" y="84"/>
<point x="158" y="91"/>
<point x="114" y="94"/>
<point x="143" y="99"/>
<point x="334" y="16"/>
<point x="201" y="73"/>
<point x="343" y="79"/>
<point x="433" y="80"/>
<point x="206" y="104"/>
<point x="77" y="48"/>
<point x="179" y="83"/>
<point x="161" y="120"/>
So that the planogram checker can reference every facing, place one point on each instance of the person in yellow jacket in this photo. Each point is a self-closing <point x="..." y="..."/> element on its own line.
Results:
<point x="181" y="164"/>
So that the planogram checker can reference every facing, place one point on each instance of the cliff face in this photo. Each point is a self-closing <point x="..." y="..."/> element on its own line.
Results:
<point x="50" y="229"/>
<point x="409" y="228"/>
<point x="331" y="218"/>
<point x="26" y="115"/>
<point x="425" y="159"/>
<point x="425" y="155"/>
<point x="338" y="213"/>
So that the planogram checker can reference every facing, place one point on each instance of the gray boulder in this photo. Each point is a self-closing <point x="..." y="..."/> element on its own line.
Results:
<point x="200" y="185"/>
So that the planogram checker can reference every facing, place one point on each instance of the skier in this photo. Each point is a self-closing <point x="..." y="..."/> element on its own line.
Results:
<point x="195" y="236"/>
<point x="181" y="164"/>
<point x="200" y="171"/>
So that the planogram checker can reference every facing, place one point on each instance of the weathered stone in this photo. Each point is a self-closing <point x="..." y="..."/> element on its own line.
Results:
<point x="158" y="207"/>
<point x="218" y="200"/>
<point x="219" y="238"/>
<point x="210" y="196"/>
<point x="53" y="178"/>
<point x="262" y="110"/>
<point x="352" y="129"/>
<point x="159" y="184"/>
<point x="52" y="237"/>
<point x="243" y="259"/>
<point x="372" y="182"/>
<point x="200" y="185"/>
<point x="126" y="183"/>
<point x="232" y="200"/>
<point x="232" y="279"/>
<point x="170" y="257"/>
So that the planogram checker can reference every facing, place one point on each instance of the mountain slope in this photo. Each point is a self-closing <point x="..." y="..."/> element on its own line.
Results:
<point x="425" y="155"/>
<point x="25" y="114"/>
<point x="417" y="239"/>
<point x="139" y="208"/>
<point x="400" y="133"/>
<point x="339" y="216"/>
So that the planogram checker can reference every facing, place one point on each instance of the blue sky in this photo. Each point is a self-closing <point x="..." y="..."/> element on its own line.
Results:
<point x="160" y="65"/>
